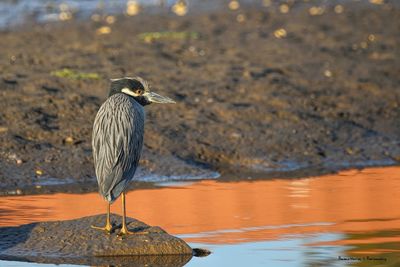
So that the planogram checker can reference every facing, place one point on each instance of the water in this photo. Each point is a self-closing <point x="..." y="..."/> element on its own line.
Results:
<point x="17" y="12"/>
<point x="347" y="219"/>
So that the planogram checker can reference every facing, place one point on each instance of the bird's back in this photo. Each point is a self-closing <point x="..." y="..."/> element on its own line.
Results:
<point x="117" y="143"/>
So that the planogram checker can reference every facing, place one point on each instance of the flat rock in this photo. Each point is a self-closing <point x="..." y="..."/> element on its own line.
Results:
<point x="74" y="241"/>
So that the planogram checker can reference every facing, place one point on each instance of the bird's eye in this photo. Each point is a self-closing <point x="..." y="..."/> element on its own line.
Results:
<point x="138" y="91"/>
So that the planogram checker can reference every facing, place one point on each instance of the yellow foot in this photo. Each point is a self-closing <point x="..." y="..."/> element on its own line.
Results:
<point x="108" y="228"/>
<point x="125" y="232"/>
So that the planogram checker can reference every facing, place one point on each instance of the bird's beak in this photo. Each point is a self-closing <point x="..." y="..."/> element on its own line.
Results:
<point x="156" y="98"/>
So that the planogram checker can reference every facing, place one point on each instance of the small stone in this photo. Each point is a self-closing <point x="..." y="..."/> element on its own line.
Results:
<point x="233" y="5"/>
<point x="110" y="19"/>
<point x="132" y="8"/>
<point x="96" y="17"/>
<point x="201" y="252"/>
<point x="349" y="150"/>
<point x="316" y="11"/>
<point x="240" y="18"/>
<point x="103" y="30"/>
<point x="339" y="9"/>
<point x="328" y="73"/>
<point x="13" y="59"/>
<point x="180" y="8"/>
<point x="284" y="8"/>
<point x="65" y="15"/>
<point x="69" y="140"/>
<point x="235" y="135"/>
<point x="371" y="38"/>
<point x="280" y="33"/>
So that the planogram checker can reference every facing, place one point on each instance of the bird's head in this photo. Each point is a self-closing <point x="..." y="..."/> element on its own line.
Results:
<point x="139" y="89"/>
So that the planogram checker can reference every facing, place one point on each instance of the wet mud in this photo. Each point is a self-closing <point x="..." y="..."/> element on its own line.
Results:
<point x="257" y="90"/>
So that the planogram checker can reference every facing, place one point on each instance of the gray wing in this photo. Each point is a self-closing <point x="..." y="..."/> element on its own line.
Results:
<point x="117" y="143"/>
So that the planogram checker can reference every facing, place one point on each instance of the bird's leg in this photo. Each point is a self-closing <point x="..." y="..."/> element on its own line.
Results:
<point x="124" y="230"/>
<point x="108" y="228"/>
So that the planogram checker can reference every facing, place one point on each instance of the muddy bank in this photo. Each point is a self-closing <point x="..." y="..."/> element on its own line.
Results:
<point x="257" y="91"/>
<point x="75" y="242"/>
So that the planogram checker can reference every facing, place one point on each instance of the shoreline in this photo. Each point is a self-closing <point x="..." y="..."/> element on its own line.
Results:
<point x="229" y="175"/>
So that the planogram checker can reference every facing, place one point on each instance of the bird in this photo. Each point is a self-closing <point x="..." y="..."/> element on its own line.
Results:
<point x="117" y="140"/>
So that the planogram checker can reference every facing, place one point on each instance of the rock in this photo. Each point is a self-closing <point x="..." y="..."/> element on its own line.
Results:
<point x="75" y="242"/>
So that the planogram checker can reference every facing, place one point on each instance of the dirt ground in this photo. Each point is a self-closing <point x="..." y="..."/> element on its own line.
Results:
<point x="257" y="91"/>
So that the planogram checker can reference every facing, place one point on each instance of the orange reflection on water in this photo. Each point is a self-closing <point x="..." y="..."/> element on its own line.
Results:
<point x="231" y="212"/>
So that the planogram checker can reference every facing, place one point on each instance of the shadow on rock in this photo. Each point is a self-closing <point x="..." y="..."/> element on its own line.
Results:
<point x="12" y="236"/>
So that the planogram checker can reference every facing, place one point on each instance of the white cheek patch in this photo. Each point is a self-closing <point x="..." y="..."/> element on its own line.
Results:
<point x="128" y="92"/>
<point x="125" y="78"/>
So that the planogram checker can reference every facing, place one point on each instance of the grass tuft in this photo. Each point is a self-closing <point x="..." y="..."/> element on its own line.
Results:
<point x="149" y="37"/>
<point x="75" y="75"/>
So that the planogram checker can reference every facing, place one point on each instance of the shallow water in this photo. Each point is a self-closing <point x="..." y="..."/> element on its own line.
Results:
<point x="347" y="219"/>
<point x="18" y="12"/>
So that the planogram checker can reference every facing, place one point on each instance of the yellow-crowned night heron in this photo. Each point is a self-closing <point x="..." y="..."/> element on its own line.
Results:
<point x="118" y="137"/>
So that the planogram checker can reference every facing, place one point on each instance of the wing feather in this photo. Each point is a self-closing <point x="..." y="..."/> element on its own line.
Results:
<point x="117" y="144"/>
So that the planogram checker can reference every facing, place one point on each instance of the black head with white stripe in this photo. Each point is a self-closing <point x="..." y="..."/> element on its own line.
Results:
<point x="137" y="88"/>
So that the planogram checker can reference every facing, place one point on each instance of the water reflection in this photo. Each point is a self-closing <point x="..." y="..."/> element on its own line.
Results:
<point x="311" y="221"/>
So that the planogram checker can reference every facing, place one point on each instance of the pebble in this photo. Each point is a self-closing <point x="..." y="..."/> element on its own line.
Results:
<point x="284" y="8"/>
<point x="180" y="8"/>
<point x="132" y="8"/>
<point x="110" y="19"/>
<point x="3" y="129"/>
<point x="328" y="73"/>
<point x="371" y="37"/>
<point x="240" y="18"/>
<point x="96" y="17"/>
<point x="235" y="135"/>
<point x="69" y="140"/>
<point x="103" y="30"/>
<point x="339" y="9"/>
<point x="14" y="192"/>
<point x="234" y="5"/>
<point x="316" y="11"/>
<point x="280" y="33"/>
